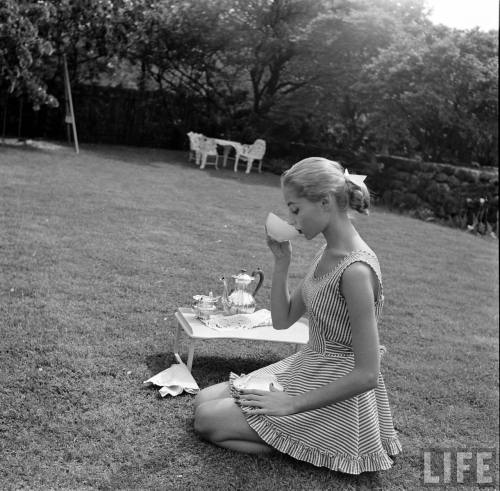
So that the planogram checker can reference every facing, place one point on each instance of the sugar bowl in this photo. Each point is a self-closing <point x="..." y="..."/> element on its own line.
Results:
<point x="205" y="305"/>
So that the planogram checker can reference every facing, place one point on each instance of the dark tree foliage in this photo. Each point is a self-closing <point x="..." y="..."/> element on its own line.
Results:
<point x="24" y="51"/>
<point x="362" y="76"/>
<point x="436" y="94"/>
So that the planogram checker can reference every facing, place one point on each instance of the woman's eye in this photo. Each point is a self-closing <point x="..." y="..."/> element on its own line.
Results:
<point x="295" y="212"/>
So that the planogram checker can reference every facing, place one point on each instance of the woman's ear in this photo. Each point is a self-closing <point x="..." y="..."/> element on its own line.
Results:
<point x="327" y="202"/>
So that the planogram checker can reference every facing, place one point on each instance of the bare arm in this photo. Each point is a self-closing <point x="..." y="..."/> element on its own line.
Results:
<point x="358" y="290"/>
<point x="286" y="309"/>
<point x="358" y="286"/>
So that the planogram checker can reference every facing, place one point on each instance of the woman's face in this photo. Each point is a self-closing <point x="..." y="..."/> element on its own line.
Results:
<point x="308" y="217"/>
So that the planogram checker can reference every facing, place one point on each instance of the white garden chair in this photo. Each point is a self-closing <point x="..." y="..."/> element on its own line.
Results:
<point x="251" y="153"/>
<point x="208" y="152"/>
<point x="194" y="147"/>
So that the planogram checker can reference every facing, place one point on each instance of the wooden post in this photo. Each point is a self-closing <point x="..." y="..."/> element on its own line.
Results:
<point x="70" y="113"/>
<point x="20" y="122"/>
<point x="4" y="126"/>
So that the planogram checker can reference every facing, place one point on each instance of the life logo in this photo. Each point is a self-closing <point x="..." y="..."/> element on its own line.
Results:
<point x="468" y="467"/>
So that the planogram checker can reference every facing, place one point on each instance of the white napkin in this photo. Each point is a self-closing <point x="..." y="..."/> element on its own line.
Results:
<point x="257" y="382"/>
<point x="259" y="318"/>
<point x="174" y="380"/>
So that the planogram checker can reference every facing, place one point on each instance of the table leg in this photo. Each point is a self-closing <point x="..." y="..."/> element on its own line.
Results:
<point x="225" y="155"/>
<point x="203" y="160"/>
<point x="177" y="337"/>
<point x="190" y="355"/>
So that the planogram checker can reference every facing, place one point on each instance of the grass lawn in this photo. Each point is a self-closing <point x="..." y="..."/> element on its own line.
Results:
<point x="97" y="251"/>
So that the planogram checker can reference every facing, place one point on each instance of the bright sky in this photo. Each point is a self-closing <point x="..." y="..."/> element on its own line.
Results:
<point x="465" y="14"/>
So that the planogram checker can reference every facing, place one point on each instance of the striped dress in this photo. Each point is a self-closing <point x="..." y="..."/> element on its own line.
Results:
<point x="352" y="436"/>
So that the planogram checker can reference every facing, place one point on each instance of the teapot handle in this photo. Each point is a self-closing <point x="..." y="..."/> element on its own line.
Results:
<point x="260" y="273"/>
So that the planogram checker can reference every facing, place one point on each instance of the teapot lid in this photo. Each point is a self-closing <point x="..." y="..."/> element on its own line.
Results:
<point x="206" y="298"/>
<point x="243" y="276"/>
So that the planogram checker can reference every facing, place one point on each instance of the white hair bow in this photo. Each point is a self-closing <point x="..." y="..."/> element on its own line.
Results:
<point x="354" y="178"/>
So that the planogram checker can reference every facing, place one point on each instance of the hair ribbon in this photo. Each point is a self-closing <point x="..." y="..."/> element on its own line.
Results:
<point x="354" y="178"/>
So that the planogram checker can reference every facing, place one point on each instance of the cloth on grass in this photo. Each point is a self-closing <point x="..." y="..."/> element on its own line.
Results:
<point x="175" y="380"/>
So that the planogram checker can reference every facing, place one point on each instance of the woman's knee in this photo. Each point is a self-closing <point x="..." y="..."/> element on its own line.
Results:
<point x="199" y="399"/>
<point x="218" y="419"/>
<point x="202" y="420"/>
<point x="218" y="391"/>
<point x="222" y="423"/>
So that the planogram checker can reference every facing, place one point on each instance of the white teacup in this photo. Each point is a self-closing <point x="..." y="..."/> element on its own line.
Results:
<point x="280" y="230"/>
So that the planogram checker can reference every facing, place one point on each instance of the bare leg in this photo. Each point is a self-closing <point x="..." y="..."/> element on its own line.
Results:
<point x="217" y="391"/>
<point x="221" y="422"/>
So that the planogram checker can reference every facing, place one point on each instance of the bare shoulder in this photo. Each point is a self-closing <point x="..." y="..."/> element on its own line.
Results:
<point x="356" y="275"/>
<point x="357" y="271"/>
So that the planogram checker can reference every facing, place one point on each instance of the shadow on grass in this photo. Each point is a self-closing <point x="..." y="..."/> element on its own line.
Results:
<point x="144" y="157"/>
<point x="209" y="370"/>
<point x="38" y="146"/>
<point x="158" y="157"/>
<point x="254" y="178"/>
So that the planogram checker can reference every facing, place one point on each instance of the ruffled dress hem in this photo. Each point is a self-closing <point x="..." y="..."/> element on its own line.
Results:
<point x="345" y="463"/>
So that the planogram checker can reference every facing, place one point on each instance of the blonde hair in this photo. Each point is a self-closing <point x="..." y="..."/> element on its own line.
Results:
<point x="315" y="178"/>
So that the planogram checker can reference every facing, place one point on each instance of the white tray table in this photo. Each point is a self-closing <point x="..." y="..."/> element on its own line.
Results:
<point x="297" y="334"/>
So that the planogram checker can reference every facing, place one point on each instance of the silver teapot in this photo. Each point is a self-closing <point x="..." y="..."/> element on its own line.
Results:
<point x="240" y="300"/>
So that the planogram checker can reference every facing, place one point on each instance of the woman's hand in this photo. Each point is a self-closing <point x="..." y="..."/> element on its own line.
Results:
<point x="273" y="402"/>
<point x="282" y="251"/>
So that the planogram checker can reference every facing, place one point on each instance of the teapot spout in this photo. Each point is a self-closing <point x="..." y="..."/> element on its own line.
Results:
<point x="225" y="292"/>
<point x="226" y="304"/>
